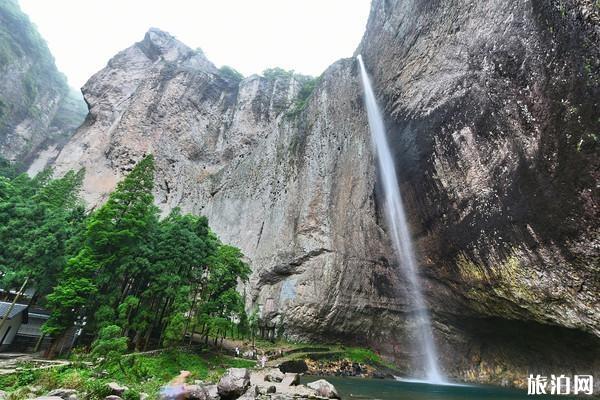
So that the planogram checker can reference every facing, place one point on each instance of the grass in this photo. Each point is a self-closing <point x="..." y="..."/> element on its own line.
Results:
<point x="141" y="373"/>
<point x="363" y="356"/>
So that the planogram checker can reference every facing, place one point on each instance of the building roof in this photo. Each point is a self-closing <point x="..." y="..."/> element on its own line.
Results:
<point x="18" y="308"/>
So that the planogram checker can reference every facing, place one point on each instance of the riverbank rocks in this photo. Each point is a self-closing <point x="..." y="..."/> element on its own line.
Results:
<point x="274" y="375"/>
<point x="201" y="392"/>
<point x="290" y="379"/>
<point x="251" y="394"/>
<point x="342" y="367"/>
<point x="113" y="397"/>
<point x="212" y="392"/>
<point x="295" y="366"/>
<point x="233" y="383"/>
<point x="324" y="389"/>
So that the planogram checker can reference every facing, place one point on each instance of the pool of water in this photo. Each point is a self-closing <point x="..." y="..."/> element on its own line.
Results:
<point x="388" y="389"/>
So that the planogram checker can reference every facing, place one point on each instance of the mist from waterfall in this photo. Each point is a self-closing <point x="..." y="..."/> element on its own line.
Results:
<point x="398" y="228"/>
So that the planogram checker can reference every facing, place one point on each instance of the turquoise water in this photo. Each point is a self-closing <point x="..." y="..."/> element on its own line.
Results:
<point x="387" y="389"/>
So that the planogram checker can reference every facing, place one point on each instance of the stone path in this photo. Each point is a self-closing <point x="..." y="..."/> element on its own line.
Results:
<point x="12" y="362"/>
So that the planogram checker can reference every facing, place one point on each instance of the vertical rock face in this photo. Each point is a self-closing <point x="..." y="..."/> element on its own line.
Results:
<point x="293" y="187"/>
<point x="37" y="108"/>
<point x="493" y="110"/>
<point x="493" y="115"/>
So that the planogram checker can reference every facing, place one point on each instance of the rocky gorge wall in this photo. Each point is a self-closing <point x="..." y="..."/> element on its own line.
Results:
<point x="38" y="110"/>
<point x="293" y="188"/>
<point x="492" y="110"/>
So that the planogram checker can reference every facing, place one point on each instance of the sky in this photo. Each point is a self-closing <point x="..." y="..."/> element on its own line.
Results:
<point x="248" y="35"/>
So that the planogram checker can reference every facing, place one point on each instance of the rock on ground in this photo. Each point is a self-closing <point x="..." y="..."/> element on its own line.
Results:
<point x="274" y="375"/>
<point x="62" y="393"/>
<point x="48" y="398"/>
<point x="116" y="388"/>
<point x="290" y="379"/>
<point x="250" y="394"/>
<point x="324" y="389"/>
<point x="234" y="383"/>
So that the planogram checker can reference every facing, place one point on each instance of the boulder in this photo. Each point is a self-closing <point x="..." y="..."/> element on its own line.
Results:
<point x="195" y="392"/>
<point x="280" y="396"/>
<point x="324" y="389"/>
<point x="271" y="389"/>
<point x="3" y="395"/>
<point x="250" y="394"/>
<point x="48" y="398"/>
<point x="290" y="379"/>
<point x="62" y="393"/>
<point x="144" y="396"/>
<point x="116" y="389"/>
<point x="233" y="383"/>
<point x="112" y="397"/>
<point x="382" y="375"/>
<point x="274" y="375"/>
<point x="212" y="392"/>
<point x="295" y="366"/>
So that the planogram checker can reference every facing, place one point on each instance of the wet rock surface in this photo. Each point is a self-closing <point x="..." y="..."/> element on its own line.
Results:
<point x="487" y="108"/>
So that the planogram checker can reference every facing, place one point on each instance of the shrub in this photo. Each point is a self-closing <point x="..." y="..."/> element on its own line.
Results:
<point x="110" y="346"/>
<point x="275" y="73"/>
<point x="230" y="74"/>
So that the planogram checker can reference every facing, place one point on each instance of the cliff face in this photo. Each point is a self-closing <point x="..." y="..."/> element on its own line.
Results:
<point x="37" y="108"/>
<point x="493" y="110"/>
<point x="293" y="187"/>
<point x="493" y="115"/>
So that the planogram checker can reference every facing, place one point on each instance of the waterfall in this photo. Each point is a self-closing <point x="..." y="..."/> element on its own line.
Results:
<point x="398" y="227"/>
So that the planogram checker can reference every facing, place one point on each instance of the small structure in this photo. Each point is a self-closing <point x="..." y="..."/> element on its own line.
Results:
<point x="23" y="329"/>
<point x="17" y="316"/>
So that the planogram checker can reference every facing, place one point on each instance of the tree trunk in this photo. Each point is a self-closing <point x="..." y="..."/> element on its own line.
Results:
<point x="39" y="343"/>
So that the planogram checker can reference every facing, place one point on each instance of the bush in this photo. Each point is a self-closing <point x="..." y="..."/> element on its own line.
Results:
<point x="275" y="73"/>
<point x="230" y="74"/>
<point x="131" y="394"/>
<point x="110" y="346"/>
<point x="96" y="389"/>
<point x="307" y="88"/>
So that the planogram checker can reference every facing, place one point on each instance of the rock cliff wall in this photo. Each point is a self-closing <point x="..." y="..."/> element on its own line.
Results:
<point x="37" y="109"/>
<point x="493" y="110"/>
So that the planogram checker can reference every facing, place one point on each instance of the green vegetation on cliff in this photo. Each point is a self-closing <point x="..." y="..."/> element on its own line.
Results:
<point x="25" y="53"/>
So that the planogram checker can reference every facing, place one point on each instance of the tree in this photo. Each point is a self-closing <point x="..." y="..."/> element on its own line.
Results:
<point x="120" y="238"/>
<point x="114" y="248"/>
<point x="174" y="330"/>
<point x="109" y="348"/>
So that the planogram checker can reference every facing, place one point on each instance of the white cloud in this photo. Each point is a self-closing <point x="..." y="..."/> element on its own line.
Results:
<point x="303" y="35"/>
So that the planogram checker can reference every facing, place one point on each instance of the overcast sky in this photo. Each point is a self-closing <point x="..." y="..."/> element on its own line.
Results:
<point x="249" y="35"/>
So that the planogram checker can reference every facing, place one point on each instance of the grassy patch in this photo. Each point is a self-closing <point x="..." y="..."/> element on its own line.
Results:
<point x="363" y="356"/>
<point x="141" y="373"/>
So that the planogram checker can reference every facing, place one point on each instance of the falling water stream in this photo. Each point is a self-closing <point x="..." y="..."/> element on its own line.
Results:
<point x="398" y="228"/>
